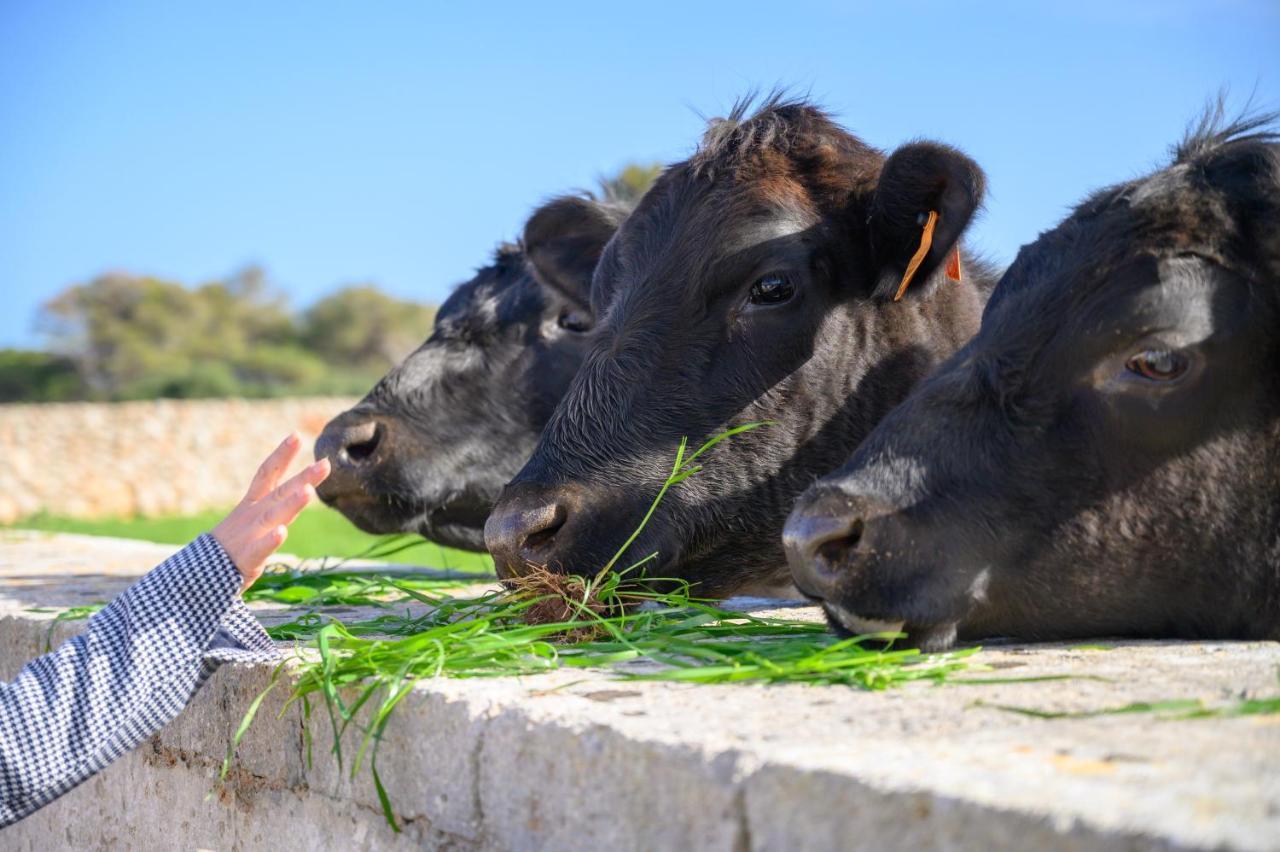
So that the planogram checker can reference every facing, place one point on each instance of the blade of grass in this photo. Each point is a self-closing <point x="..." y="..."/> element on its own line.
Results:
<point x="680" y="471"/>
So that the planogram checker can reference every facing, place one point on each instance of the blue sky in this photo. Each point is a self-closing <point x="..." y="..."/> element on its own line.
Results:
<point x="398" y="143"/>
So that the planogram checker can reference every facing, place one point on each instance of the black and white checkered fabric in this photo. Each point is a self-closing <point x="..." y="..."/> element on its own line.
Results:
<point x="70" y="713"/>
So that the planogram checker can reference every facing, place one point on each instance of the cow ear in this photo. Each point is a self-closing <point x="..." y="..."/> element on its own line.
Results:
<point x="563" y="241"/>
<point x="925" y="197"/>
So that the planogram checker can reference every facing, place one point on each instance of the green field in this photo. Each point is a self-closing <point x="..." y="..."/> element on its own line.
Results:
<point x="319" y="531"/>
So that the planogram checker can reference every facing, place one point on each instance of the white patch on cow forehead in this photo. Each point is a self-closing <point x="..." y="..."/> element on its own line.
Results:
<point x="764" y="229"/>
<point x="1182" y="305"/>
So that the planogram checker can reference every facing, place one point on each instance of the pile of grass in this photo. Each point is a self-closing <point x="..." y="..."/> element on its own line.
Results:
<point x="361" y="670"/>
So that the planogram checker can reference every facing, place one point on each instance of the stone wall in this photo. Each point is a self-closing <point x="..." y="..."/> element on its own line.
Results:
<point x="582" y="759"/>
<point x="157" y="457"/>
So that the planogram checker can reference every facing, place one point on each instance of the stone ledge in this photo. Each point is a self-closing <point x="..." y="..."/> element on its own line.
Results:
<point x="579" y="760"/>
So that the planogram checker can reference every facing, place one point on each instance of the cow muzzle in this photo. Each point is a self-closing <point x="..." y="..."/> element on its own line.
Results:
<point x="524" y="529"/>
<point x="827" y="539"/>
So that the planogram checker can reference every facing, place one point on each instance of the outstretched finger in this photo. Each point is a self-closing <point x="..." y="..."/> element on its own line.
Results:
<point x="292" y="497"/>
<point x="313" y="474"/>
<point x="270" y="471"/>
<point x="259" y="551"/>
<point x="285" y="507"/>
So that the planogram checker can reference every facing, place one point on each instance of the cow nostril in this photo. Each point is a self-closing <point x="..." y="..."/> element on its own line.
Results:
<point x="351" y="445"/>
<point x="833" y="551"/>
<point x="523" y="533"/>
<point x="360" y="450"/>
<point x="540" y="527"/>
<point x="540" y="539"/>
<point x="353" y="442"/>
<point x="818" y="542"/>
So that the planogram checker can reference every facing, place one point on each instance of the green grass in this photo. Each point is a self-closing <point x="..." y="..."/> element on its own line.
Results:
<point x="1173" y="708"/>
<point x="318" y="532"/>
<point x="359" y="671"/>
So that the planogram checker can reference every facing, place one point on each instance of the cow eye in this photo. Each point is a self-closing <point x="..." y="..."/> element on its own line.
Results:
<point x="1158" y="365"/>
<point x="576" y="321"/>
<point x="772" y="289"/>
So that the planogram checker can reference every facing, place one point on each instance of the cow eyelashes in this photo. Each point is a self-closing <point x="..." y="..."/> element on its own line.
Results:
<point x="575" y="321"/>
<point x="1158" y="365"/>
<point x="772" y="289"/>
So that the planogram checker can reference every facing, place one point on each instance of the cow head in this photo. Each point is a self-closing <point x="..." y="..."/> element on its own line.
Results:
<point x="1104" y="457"/>
<point x="755" y="281"/>
<point x="430" y="447"/>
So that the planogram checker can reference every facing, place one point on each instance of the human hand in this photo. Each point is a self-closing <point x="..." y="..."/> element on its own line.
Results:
<point x="259" y="525"/>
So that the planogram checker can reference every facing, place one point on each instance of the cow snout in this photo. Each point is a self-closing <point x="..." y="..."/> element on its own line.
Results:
<point x="521" y="531"/>
<point x="826" y="540"/>
<point x="355" y="444"/>
<point x="350" y="442"/>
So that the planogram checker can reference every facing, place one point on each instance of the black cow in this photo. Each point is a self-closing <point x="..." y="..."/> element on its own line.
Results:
<point x="1104" y="457"/>
<point x="755" y="281"/>
<point x="430" y="447"/>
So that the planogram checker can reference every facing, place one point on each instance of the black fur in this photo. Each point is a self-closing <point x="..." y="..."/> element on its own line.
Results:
<point x="430" y="447"/>
<point x="679" y="350"/>
<point x="1036" y="485"/>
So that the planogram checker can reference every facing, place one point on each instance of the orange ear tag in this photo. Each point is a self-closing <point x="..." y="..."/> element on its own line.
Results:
<point x="953" y="265"/>
<point x="926" y="240"/>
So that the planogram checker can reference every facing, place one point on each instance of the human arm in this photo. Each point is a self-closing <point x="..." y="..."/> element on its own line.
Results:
<point x="70" y="713"/>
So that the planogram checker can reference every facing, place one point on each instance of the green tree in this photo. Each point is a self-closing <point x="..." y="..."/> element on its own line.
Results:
<point x="137" y="337"/>
<point x="365" y="328"/>
<point x="38" y="377"/>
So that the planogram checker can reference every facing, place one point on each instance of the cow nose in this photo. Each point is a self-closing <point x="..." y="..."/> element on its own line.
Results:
<point x="350" y="443"/>
<point x="522" y="528"/>
<point x="824" y="539"/>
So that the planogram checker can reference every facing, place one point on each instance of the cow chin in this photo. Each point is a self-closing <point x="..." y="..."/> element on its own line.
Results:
<point x="926" y="637"/>
<point x="451" y="524"/>
<point x="850" y="624"/>
<point x="459" y="533"/>
<point x="720" y="573"/>
<point x="376" y="516"/>
<point x="927" y="604"/>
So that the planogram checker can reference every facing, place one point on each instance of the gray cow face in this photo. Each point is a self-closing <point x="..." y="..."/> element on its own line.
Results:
<point x="430" y="447"/>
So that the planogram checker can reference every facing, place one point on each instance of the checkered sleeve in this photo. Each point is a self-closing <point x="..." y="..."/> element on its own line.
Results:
<point x="70" y="713"/>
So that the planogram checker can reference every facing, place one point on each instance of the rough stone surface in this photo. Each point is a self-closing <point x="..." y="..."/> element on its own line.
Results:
<point x="158" y="457"/>
<point x="580" y="760"/>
